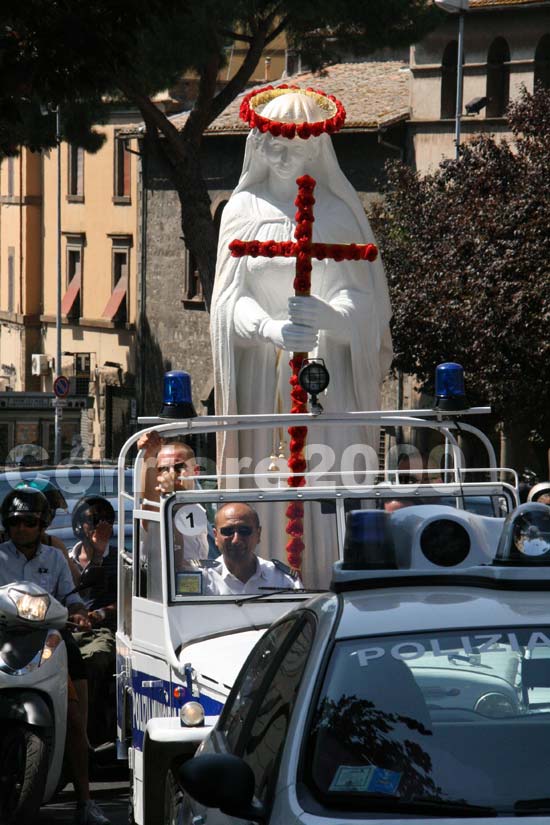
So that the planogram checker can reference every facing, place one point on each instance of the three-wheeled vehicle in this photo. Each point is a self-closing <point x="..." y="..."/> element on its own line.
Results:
<point x="179" y="649"/>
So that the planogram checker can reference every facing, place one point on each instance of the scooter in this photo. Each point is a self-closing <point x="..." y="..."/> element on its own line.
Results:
<point x="33" y="699"/>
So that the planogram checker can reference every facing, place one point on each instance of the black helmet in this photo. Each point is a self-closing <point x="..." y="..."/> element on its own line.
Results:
<point x="54" y="496"/>
<point x="25" y="501"/>
<point x="100" y="507"/>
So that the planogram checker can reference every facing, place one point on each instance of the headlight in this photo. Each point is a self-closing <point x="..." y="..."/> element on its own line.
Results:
<point x="53" y="640"/>
<point x="495" y="704"/>
<point x="192" y="714"/>
<point x="31" y="608"/>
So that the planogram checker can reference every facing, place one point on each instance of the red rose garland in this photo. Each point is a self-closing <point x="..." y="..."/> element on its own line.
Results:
<point x="304" y="250"/>
<point x="305" y="130"/>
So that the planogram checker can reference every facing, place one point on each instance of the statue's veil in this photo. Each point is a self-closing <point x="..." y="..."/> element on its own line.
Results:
<point x="323" y="166"/>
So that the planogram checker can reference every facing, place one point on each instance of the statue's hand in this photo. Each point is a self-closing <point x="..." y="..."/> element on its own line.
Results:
<point x="316" y="313"/>
<point x="289" y="336"/>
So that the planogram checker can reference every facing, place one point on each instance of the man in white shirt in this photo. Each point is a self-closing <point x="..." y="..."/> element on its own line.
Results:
<point x="239" y="570"/>
<point x="25" y="513"/>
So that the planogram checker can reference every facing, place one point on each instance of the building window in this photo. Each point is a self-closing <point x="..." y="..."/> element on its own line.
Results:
<point x="448" y="80"/>
<point x="71" y="304"/>
<point x="82" y="373"/>
<point x="117" y="306"/>
<point x="293" y="62"/>
<point x="193" y="286"/>
<point x="11" y="277"/>
<point x="11" y="177"/>
<point x="76" y="173"/>
<point x="498" y="77"/>
<point x="542" y="62"/>
<point x="122" y="172"/>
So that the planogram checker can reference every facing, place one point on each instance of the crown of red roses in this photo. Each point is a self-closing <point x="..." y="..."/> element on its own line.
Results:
<point x="336" y="114"/>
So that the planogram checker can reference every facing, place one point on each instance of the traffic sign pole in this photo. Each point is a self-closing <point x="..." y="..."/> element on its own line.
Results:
<point x="61" y="389"/>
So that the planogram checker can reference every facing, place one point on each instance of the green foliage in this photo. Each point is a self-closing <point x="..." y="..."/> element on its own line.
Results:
<point x="80" y="51"/>
<point x="467" y="252"/>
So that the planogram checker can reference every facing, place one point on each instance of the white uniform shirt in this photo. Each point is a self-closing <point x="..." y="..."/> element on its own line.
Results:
<point x="47" y="568"/>
<point x="220" y="582"/>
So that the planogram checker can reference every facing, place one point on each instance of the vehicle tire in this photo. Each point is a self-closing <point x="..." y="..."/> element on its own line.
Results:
<point x="23" y="773"/>
<point x="131" y="820"/>
<point x="172" y="801"/>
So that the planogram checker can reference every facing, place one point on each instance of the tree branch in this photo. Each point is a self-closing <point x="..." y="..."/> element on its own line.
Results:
<point x="247" y="38"/>
<point x="242" y="75"/>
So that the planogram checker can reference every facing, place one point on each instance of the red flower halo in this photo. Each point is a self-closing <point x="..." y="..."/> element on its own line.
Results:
<point x="259" y="97"/>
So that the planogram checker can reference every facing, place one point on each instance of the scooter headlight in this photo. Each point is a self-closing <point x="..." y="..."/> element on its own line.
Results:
<point x="29" y="607"/>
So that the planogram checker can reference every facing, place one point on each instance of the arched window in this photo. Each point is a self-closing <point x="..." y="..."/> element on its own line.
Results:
<point x="448" y="79"/>
<point x="498" y="77"/>
<point x="542" y="62"/>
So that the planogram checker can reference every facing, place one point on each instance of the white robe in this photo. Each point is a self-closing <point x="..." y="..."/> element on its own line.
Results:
<point x="251" y="375"/>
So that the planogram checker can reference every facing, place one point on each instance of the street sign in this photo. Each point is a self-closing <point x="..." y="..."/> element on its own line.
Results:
<point x="61" y="386"/>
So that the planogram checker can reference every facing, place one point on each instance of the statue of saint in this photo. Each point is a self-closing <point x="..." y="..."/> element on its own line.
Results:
<point x="256" y="321"/>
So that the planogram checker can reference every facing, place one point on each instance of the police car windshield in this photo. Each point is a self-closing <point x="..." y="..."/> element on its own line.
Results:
<point x="434" y="718"/>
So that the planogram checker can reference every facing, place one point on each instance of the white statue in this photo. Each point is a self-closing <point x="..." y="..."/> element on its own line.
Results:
<point x="256" y="321"/>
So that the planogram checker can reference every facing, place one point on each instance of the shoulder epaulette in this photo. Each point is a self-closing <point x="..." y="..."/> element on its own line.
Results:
<point x="210" y="563"/>
<point x="284" y="568"/>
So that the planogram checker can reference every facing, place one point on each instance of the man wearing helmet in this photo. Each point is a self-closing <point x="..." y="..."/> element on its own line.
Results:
<point x="25" y="513"/>
<point x="56" y="501"/>
<point x="92" y="520"/>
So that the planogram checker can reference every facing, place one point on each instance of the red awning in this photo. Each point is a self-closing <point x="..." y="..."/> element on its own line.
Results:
<point x="116" y="299"/>
<point x="71" y="295"/>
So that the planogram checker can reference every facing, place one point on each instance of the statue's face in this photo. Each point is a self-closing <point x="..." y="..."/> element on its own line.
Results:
<point x="286" y="158"/>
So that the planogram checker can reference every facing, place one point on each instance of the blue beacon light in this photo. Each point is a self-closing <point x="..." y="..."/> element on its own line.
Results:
<point x="449" y="387"/>
<point x="177" y="400"/>
<point x="368" y="543"/>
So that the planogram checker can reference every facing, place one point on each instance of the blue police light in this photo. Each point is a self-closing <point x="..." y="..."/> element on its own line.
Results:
<point x="368" y="543"/>
<point x="525" y="537"/>
<point x="449" y="387"/>
<point x="177" y="401"/>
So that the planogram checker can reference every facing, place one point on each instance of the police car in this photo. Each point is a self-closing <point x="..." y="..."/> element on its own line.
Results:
<point x="418" y="688"/>
<point x="180" y="646"/>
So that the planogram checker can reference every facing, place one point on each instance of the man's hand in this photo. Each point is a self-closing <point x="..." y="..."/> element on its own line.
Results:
<point x="97" y="617"/>
<point x="150" y="443"/>
<point x="167" y="482"/>
<point x="81" y="620"/>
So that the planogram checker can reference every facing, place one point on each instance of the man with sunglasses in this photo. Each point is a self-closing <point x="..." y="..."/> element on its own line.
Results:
<point x="239" y="570"/>
<point x="25" y="513"/>
<point x="93" y="518"/>
<point x="170" y="465"/>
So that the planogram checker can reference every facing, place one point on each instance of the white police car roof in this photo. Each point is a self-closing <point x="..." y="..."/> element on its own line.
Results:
<point x="421" y="609"/>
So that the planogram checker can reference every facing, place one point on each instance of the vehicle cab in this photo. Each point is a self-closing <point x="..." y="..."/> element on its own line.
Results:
<point x="181" y="643"/>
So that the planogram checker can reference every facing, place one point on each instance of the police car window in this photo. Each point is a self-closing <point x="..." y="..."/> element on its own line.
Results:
<point x="249" y="682"/>
<point x="442" y="717"/>
<point x="265" y="734"/>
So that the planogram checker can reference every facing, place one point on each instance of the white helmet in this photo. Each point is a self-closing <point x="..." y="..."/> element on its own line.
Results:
<point x="539" y="490"/>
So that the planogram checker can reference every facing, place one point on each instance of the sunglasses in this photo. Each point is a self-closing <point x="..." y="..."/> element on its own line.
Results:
<point x="241" y="529"/>
<point x="180" y="467"/>
<point x="96" y="518"/>
<point x="25" y="521"/>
